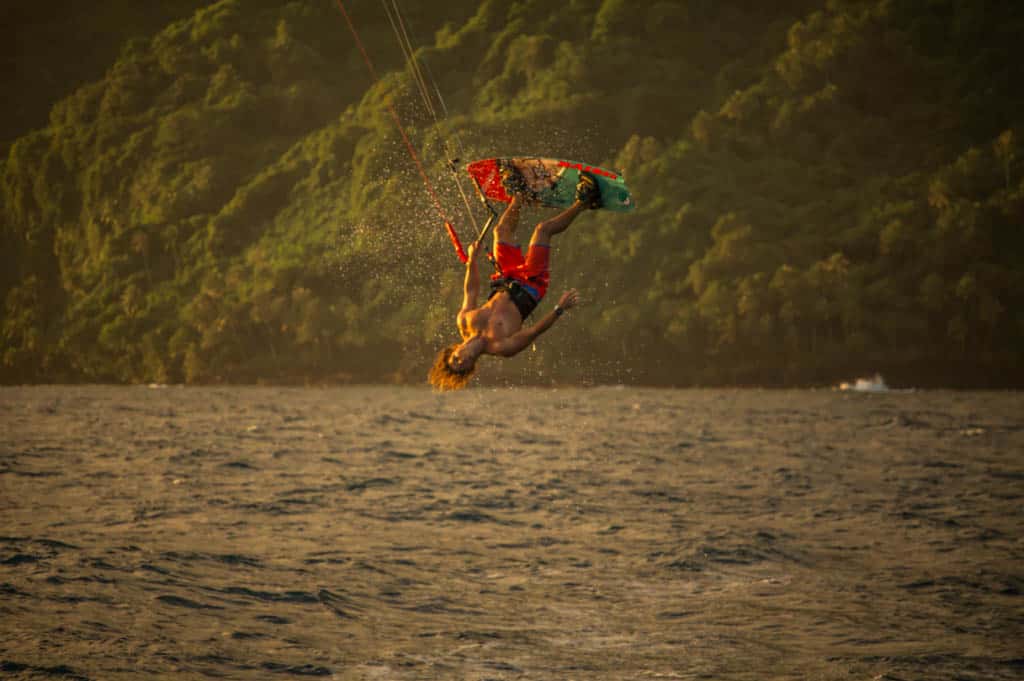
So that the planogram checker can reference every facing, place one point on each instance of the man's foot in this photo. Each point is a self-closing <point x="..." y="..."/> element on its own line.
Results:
<point x="515" y="185"/>
<point x="588" y="192"/>
<point x="512" y="181"/>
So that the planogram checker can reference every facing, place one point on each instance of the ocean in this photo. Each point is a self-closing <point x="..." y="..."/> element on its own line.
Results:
<point x="378" y="532"/>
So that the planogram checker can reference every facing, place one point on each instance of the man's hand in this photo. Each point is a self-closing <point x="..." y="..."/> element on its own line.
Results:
<point x="569" y="299"/>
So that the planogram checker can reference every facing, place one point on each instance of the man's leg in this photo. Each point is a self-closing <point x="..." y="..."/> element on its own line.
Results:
<point x="505" y="231"/>
<point x="543" y="232"/>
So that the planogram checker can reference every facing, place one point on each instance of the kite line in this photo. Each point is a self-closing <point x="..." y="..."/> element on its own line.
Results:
<point x="401" y="129"/>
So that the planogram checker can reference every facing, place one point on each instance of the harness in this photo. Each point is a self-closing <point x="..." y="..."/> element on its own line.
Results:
<point x="522" y="299"/>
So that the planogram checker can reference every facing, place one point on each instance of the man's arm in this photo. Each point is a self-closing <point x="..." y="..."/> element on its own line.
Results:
<point x="522" y="338"/>
<point x="471" y="286"/>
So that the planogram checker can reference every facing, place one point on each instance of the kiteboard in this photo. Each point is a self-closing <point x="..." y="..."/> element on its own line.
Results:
<point x="547" y="181"/>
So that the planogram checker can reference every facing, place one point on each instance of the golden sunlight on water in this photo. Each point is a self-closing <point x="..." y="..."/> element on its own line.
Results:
<point x="393" y="533"/>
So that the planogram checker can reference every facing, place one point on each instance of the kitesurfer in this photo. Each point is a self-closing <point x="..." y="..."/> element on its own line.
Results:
<point x="496" y="327"/>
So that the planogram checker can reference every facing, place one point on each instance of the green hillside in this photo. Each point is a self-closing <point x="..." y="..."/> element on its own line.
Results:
<point x="825" y="188"/>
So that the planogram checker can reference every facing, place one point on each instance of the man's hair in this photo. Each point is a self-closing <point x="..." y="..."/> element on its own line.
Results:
<point x="443" y="377"/>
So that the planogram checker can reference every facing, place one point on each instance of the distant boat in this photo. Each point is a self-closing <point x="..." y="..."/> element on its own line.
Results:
<point x="875" y="384"/>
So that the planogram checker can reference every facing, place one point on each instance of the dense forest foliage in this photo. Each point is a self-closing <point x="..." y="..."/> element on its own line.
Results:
<point x="49" y="49"/>
<point x="826" y="188"/>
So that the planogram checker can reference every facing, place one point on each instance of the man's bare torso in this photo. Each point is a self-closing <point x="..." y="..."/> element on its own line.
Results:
<point x="495" y="320"/>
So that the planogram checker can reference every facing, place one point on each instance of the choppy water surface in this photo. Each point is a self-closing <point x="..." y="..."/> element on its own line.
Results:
<point x="392" y="533"/>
